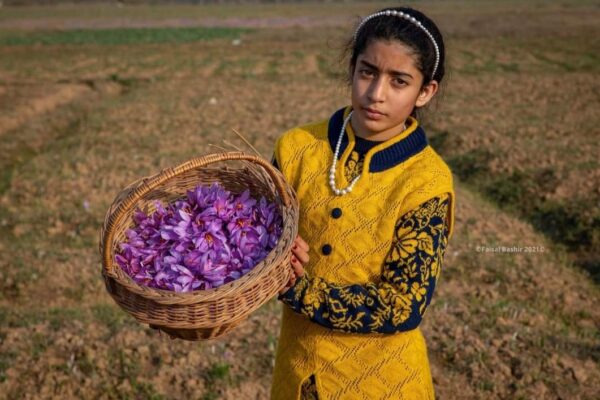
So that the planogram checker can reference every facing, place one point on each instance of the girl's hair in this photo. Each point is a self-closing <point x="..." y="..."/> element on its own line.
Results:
<point x="389" y="27"/>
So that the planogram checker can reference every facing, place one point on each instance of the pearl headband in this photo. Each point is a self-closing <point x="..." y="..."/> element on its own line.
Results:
<point x="408" y="18"/>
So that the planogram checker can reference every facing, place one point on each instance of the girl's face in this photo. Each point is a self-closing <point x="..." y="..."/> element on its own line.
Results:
<point x="386" y="86"/>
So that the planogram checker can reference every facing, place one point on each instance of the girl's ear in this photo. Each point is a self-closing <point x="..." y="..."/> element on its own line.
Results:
<point x="427" y="93"/>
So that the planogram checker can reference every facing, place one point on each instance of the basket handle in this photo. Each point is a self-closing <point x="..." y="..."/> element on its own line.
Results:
<point x="143" y="186"/>
<point x="275" y="175"/>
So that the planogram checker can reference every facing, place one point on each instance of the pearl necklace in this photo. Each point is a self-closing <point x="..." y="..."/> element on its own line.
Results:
<point x="341" y="192"/>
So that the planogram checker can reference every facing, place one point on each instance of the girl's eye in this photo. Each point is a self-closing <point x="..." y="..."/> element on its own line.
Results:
<point x="366" y="72"/>
<point x="399" y="82"/>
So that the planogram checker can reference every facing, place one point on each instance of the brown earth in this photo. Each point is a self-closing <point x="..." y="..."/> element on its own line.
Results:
<point x="51" y="97"/>
<point x="80" y="122"/>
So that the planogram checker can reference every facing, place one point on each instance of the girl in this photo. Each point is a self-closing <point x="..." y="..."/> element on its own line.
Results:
<point x="376" y="213"/>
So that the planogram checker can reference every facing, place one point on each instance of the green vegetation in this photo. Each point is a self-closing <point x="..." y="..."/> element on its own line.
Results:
<point x="111" y="316"/>
<point x="120" y="36"/>
<point x="57" y="318"/>
<point x="575" y="224"/>
<point x="217" y="373"/>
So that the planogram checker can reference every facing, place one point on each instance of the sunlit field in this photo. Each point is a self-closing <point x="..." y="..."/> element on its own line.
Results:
<point x="94" y="97"/>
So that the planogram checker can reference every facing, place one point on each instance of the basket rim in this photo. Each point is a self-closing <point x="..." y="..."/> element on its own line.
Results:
<point x="289" y="210"/>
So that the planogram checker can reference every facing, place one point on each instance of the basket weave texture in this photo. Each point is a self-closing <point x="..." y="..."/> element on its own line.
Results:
<point x="201" y="314"/>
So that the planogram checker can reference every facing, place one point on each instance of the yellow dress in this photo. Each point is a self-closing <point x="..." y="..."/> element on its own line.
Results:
<point x="350" y="327"/>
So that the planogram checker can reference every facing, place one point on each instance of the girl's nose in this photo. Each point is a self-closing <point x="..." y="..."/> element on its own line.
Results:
<point x="377" y="90"/>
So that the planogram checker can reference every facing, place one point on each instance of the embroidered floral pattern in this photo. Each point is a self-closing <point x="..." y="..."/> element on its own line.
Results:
<point x="396" y="303"/>
<point x="309" y="389"/>
<point x="354" y="165"/>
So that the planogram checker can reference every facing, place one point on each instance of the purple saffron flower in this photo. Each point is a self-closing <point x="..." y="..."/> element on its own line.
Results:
<point x="221" y="208"/>
<point x="204" y="240"/>
<point x="213" y="237"/>
<point x="186" y="281"/>
<point x="243" y="204"/>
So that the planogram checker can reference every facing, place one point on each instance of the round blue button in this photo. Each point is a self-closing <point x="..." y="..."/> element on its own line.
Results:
<point x="326" y="249"/>
<point x="336" y="212"/>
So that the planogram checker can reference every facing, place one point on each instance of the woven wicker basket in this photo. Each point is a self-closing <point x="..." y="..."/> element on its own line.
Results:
<point x="201" y="314"/>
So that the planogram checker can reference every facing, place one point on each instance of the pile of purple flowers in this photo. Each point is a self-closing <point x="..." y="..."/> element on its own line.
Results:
<point x="210" y="238"/>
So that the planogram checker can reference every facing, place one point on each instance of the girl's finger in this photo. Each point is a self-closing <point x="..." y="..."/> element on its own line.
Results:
<point x="300" y="243"/>
<point x="295" y="264"/>
<point x="303" y="243"/>
<point x="298" y="269"/>
<point x="301" y="255"/>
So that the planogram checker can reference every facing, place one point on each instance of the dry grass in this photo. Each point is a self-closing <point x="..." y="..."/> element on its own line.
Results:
<point x="78" y="122"/>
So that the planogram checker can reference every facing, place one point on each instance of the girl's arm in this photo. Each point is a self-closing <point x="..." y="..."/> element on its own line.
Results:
<point x="396" y="303"/>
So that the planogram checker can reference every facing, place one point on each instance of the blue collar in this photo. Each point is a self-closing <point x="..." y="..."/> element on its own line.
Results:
<point x="362" y="146"/>
<point x="386" y="158"/>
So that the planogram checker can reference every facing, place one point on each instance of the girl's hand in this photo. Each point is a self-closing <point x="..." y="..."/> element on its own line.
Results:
<point x="299" y="258"/>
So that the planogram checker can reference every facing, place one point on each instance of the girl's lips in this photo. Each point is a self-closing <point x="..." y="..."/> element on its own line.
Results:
<point x="372" y="114"/>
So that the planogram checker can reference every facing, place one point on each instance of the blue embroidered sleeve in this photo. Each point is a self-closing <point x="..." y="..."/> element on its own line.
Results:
<point x="274" y="162"/>
<point x="396" y="303"/>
